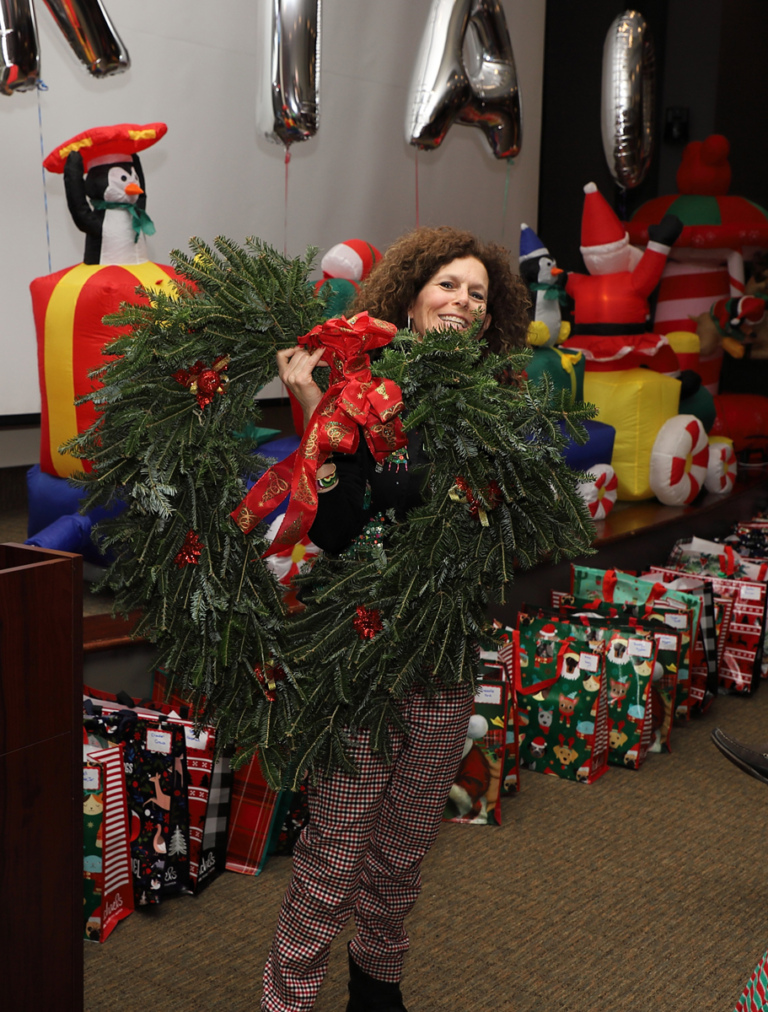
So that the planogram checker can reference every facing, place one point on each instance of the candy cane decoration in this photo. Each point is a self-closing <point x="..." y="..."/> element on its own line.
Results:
<point x="679" y="460"/>
<point x="722" y="466"/>
<point x="600" y="494"/>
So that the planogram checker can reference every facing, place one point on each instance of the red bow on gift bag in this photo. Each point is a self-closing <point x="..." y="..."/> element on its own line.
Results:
<point x="354" y="398"/>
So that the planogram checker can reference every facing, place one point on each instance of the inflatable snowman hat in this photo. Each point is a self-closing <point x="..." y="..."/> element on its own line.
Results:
<point x="344" y="266"/>
<point x="351" y="260"/>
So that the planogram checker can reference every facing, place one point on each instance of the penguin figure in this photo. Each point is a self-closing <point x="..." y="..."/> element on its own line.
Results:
<point x="546" y="283"/>
<point x="108" y="205"/>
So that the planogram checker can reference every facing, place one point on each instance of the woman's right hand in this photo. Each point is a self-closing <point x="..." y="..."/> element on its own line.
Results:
<point x="295" y="367"/>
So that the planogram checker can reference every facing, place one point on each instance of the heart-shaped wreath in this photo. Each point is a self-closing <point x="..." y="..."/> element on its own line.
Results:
<point x="174" y="398"/>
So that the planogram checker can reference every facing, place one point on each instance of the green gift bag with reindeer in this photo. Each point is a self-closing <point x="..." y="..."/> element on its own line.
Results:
<point x="562" y="704"/>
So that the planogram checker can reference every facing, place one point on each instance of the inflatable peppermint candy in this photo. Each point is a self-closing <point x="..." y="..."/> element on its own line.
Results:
<point x="679" y="460"/>
<point x="722" y="466"/>
<point x="599" y="495"/>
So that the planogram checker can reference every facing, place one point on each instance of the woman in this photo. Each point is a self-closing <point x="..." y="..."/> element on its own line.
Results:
<point x="362" y="850"/>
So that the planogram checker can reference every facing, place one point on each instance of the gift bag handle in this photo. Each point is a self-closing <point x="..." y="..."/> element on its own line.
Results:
<point x="610" y="579"/>
<point x="546" y="683"/>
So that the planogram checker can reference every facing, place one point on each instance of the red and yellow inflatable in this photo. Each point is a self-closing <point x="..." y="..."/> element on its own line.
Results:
<point x="69" y="307"/>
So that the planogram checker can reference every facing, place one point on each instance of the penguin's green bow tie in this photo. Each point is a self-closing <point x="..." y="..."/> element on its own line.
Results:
<point x="140" y="220"/>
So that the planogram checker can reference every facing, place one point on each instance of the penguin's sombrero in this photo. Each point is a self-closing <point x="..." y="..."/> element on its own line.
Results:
<point x="107" y="143"/>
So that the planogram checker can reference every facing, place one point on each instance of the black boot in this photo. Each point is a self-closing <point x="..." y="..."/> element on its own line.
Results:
<point x="366" y="994"/>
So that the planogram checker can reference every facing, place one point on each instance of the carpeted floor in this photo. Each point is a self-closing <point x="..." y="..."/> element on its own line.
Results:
<point x="644" y="891"/>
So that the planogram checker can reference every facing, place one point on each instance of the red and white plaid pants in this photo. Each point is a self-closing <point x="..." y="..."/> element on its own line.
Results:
<point x="361" y="852"/>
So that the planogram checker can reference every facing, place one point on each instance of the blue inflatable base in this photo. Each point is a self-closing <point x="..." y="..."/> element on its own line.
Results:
<point x="597" y="450"/>
<point x="55" y="521"/>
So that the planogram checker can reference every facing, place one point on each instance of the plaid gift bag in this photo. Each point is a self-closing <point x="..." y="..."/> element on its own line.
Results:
<point x="107" y="882"/>
<point x="253" y="813"/>
<point x="754" y="997"/>
<point x="562" y="705"/>
<point x="475" y="795"/>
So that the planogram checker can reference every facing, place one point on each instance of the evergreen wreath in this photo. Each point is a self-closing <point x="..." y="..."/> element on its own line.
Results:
<point x="175" y="442"/>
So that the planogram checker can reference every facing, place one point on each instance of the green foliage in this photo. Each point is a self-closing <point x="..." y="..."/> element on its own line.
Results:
<point x="495" y="452"/>
<point x="180" y="467"/>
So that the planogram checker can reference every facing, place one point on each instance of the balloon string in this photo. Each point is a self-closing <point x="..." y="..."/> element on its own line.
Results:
<point x="510" y="163"/>
<point x="417" y="187"/>
<point x="285" y="215"/>
<point x="41" y="86"/>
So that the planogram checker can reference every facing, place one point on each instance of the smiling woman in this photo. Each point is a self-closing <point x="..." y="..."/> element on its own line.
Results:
<point x="403" y="287"/>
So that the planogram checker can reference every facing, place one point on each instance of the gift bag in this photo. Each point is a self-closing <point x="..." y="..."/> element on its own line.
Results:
<point x="107" y="882"/>
<point x="210" y="788"/>
<point x="704" y="652"/>
<point x="629" y="665"/>
<point x="200" y="751"/>
<point x="681" y="612"/>
<point x="154" y="760"/>
<point x="499" y="655"/>
<point x="663" y="689"/>
<point x="754" y="997"/>
<point x="741" y="656"/>
<point x="710" y="558"/>
<point x="630" y="657"/>
<point x="253" y="813"/>
<point x="475" y="795"/>
<point x="291" y="816"/>
<point x="562" y="706"/>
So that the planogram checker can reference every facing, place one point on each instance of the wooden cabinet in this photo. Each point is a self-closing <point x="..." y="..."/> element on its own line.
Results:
<point x="41" y="888"/>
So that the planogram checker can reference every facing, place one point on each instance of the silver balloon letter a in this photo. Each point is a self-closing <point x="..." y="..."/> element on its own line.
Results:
<point x="86" y="27"/>
<point x="289" y="106"/>
<point x="465" y="71"/>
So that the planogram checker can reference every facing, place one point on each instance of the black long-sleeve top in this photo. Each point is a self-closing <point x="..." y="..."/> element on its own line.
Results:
<point x="342" y="511"/>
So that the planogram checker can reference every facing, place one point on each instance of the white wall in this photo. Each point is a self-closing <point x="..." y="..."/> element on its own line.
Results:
<point x="195" y="66"/>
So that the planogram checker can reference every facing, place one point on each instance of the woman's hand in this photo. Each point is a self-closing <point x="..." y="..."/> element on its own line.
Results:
<point x="295" y="367"/>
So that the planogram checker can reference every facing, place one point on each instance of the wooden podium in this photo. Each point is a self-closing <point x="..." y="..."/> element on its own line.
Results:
<point x="41" y="849"/>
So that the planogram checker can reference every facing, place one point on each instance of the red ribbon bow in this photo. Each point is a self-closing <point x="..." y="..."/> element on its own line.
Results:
<point x="354" y="398"/>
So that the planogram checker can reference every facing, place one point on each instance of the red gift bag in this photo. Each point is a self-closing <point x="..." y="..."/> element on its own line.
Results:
<point x="107" y="879"/>
<point x="252" y="814"/>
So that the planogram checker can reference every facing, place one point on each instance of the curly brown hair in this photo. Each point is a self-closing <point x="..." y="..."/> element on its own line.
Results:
<point x="409" y="263"/>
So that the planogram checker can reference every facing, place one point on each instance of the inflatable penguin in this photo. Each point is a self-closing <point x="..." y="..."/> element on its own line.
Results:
<point x="104" y="184"/>
<point x="546" y="283"/>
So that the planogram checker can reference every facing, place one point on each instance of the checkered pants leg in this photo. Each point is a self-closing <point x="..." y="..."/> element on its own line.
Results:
<point x="362" y="851"/>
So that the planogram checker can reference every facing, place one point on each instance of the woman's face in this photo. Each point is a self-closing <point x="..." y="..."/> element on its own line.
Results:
<point x="454" y="297"/>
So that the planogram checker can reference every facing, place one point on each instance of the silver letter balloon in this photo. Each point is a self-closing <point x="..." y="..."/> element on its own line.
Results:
<point x="85" y="25"/>
<point x="628" y="99"/>
<point x="465" y="72"/>
<point x="288" y="109"/>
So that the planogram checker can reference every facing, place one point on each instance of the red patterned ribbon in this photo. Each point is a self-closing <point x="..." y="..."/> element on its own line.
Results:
<point x="354" y="398"/>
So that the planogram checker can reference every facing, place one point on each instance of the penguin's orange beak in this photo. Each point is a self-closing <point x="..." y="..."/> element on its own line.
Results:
<point x="133" y="188"/>
<point x="554" y="270"/>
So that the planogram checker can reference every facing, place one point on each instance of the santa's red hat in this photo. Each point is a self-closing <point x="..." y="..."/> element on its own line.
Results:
<point x="351" y="260"/>
<point x="601" y="230"/>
